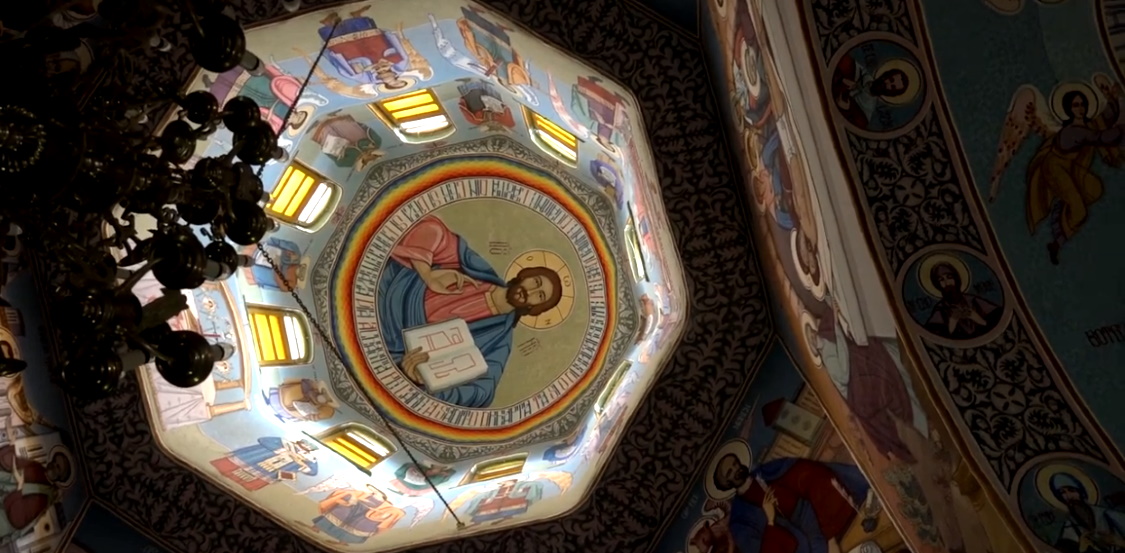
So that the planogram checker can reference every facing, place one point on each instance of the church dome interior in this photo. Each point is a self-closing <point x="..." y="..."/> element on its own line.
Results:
<point x="663" y="276"/>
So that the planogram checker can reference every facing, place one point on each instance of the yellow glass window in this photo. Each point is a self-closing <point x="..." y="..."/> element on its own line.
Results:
<point x="606" y="395"/>
<point x="360" y="446"/>
<point x="301" y="197"/>
<point x="416" y="115"/>
<point x="552" y="138"/>
<point x="280" y="336"/>
<point x="633" y="247"/>
<point x="496" y="468"/>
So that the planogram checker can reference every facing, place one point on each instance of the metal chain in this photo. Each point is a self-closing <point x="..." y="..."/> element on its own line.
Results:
<point x="330" y="344"/>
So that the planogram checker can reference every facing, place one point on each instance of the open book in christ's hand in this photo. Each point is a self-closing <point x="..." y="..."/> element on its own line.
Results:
<point x="454" y="358"/>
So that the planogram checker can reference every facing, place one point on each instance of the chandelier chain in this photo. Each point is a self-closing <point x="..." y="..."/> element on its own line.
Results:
<point x="325" y="338"/>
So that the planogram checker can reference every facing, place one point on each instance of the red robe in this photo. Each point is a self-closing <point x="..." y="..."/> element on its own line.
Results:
<point x="813" y="482"/>
<point x="23" y="510"/>
<point x="846" y="69"/>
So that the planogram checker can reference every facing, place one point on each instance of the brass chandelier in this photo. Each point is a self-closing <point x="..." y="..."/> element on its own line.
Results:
<point x="76" y="173"/>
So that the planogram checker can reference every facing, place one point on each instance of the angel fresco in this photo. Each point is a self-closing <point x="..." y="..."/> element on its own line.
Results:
<point x="490" y="55"/>
<point x="1062" y="184"/>
<point x="373" y="60"/>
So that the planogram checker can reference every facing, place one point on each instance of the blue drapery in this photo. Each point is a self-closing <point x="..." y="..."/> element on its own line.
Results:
<point x="400" y="302"/>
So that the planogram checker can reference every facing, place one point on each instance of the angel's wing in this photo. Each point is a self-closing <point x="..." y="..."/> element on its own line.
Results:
<point x="1110" y="89"/>
<point x="580" y="130"/>
<point x="418" y="62"/>
<point x="557" y="477"/>
<point x="1027" y="113"/>
<point x="331" y="483"/>
<point x="451" y="54"/>
<point x="1110" y="116"/>
<point x="422" y="507"/>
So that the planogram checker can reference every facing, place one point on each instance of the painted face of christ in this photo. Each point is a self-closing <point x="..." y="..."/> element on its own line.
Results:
<point x="534" y="290"/>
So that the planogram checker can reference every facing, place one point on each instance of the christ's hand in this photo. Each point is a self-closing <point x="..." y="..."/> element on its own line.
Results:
<point x="448" y="281"/>
<point x="410" y="363"/>
<point x="769" y="505"/>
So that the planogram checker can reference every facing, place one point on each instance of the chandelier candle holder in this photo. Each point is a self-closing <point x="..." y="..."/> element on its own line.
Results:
<point x="75" y="175"/>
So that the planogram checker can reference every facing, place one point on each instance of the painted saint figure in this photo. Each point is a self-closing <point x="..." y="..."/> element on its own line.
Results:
<point x="30" y="488"/>
<point x="790" y="504"/>
<point x="274" y="90"/>
<point x="1062" y="184"/>
<point x="353" y="516"/>
<point x="863" y="93"/>
<point x="302" y="399"/>
<point x="435" y="276"/>
<point x="271" y="460"/>
<point x="348" y="142"/>
<point x="483" y="106"/>
<point x="603" y="111"/>
<point x="958" y="314"/>
<point x="376" y="59"/>
<point x="1088" y="526"/>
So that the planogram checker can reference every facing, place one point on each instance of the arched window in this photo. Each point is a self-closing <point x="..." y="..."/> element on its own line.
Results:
<point x="634" y="249"/>
<point x="360" y="445"/>
<point x="551" y="138"/>
<point x="281" y="336"/>
<point x="303" y="198"/>
<point x="606" y="395"/>
<point x="415" y="117"/>
<point x="495" y="468"/>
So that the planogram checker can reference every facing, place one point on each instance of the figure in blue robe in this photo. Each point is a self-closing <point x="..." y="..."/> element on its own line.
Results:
<point x="492" y="335"/>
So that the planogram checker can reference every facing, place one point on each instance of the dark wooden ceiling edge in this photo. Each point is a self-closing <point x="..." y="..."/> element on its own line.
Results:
<point x="729" y="327"/>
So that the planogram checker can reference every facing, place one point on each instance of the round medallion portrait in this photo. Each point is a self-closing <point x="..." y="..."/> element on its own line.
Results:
<point x="477" y="302"/>
<point x="1074" y="505"/>
<point x="878" y="86"/>
<point x="954" y="295"/>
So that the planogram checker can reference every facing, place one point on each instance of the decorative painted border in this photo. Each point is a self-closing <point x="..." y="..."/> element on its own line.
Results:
<point x="972" y="379"/>
<point x="669" y="437"/>
<point x="440" y="442"/>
